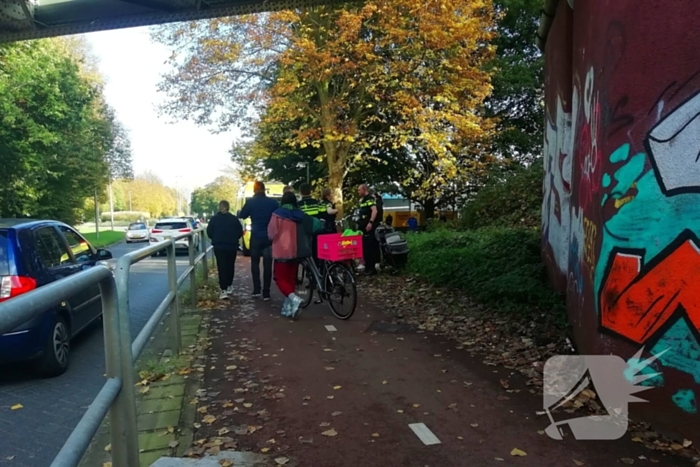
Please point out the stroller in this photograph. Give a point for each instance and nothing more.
(393, 248)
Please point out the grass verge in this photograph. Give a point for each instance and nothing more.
(106, 238)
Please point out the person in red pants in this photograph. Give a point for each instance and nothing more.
(290, 231)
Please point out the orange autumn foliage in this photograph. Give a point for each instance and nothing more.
(386, 74)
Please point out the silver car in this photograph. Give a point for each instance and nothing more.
(137, 232)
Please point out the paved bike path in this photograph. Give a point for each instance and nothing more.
(347, 395)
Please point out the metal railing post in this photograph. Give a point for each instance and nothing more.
(193, 273)
(174, 307)
(203, 242)
(124, 407)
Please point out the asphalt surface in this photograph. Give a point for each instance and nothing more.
(323, 392)
(33, 435)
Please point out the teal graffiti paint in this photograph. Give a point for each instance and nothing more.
(648, 222)
(685, 399)
(637, 367)
(684, 353)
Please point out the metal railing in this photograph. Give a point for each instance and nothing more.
(117, 396)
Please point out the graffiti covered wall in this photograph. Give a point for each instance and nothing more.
(621, 211)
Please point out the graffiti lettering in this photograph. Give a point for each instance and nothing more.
(674, 149)
(556, 221)
(589, 183)
(590, 234)
(637, 302)
(622, 201)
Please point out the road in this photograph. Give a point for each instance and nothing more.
(33, 435)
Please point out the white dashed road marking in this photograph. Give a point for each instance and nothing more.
(424, 433)
(330, 328)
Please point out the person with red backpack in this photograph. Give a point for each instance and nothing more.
(290, 231)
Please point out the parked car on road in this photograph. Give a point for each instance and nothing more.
(35, 253)
(167, 228)
(137, 232)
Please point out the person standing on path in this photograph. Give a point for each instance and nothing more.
(225, 231)
(290, 232)
(260, 208)
(328, 211)
(311, 207)
(367, 224)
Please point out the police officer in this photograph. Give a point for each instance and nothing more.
(328, 211)
(368, 223)
(307, 203)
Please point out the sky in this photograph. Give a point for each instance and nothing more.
(181, 154)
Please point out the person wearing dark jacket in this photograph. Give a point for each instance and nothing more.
(225, 231)
(260, 208)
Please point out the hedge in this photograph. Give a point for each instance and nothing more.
(125, 216)
(498, 267)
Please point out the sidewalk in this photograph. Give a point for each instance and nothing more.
(322, 392)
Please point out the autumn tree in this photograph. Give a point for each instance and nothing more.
(205, 200)
(413, 70)
(146, 193)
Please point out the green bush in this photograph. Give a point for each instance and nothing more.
(507, 200)
(498, 267)
(125, 216)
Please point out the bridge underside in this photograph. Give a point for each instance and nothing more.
(32, 19)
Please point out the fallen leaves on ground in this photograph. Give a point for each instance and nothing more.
(209, 419)
(520, 344)
(330, 433)
(518, 452)
(16, 407)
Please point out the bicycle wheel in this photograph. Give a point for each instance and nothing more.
(341, 290)
(303, 287)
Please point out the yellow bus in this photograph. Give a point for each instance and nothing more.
(272, 189)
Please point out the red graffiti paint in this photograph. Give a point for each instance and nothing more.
(637, 301)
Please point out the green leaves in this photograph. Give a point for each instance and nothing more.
(205, 200)
(55, 131)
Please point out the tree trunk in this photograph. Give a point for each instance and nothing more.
(429, 207)
(335, 183)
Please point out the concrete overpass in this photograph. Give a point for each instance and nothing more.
(32, 19)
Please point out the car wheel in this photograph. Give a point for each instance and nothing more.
(57, 350)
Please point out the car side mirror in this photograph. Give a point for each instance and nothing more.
(103, 254)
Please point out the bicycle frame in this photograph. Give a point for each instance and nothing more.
(310, 264)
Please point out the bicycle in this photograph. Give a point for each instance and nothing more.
(334, 283)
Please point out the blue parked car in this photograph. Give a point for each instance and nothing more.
(34, 253)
